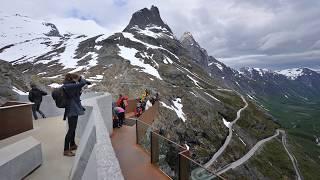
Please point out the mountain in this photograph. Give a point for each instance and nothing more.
(200, 96)
(12, 83)
(148, 20)
(291, 96)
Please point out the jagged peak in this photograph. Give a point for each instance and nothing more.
(187, 39)
(145, 18)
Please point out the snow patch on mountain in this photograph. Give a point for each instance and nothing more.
(97, 77)
(67, 57)
(129, 54)
(149, 31)
(132, 38)
(29, 49)
(16, 29)
(226, 123)
(261, 71)
(291, 73)
(251, 97)
(167, 60)
(217, 64)
(212, 97)
(177, 107)
(18, 91)
(195, 82)
(55, 85)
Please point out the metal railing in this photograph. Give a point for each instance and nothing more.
(171, 158)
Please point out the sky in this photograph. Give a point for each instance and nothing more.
(274, 34)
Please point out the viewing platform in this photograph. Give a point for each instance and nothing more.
(134, 151)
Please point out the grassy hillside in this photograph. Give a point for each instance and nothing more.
(301, 119)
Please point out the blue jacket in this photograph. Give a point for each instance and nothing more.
(73, 92)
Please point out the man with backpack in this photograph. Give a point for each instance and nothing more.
(35, 96)
(71, 90)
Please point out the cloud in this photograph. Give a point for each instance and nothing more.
(274, 33)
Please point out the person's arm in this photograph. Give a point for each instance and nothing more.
(43, 93)
(82, 82)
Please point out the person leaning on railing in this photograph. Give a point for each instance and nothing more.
(72, 87)
(118, 115)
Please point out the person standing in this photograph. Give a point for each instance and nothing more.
(122, 101)
(72, 87)
(35, 96)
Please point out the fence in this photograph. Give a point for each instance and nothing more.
(171, 158)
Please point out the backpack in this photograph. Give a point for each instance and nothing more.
(60, 97)
(30, 97)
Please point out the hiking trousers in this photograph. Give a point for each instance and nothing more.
(69, 139)
(120, 118)
(35, 109)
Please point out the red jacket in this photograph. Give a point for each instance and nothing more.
(120, 101)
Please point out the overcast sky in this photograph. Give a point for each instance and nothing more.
(272, 34)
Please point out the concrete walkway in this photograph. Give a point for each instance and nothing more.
(50, 132)
(134, 161)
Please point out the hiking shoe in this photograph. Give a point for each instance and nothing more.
(68, 153)
(73, 147)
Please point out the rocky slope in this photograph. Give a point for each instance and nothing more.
(194, 87)
(11, 82)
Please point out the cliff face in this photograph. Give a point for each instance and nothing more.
(11, 82)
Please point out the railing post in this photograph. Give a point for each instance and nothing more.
(184, 166)
(154, 148)
(137, 134)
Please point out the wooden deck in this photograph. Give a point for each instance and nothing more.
(134, 161)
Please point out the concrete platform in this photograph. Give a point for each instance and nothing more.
(19, 159)
(50, 132)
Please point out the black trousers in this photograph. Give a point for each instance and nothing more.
(120, 118)
(69, 139)
(35, 109)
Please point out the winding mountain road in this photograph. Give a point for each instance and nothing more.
(292, 158)
(200, 173)
(247, 156)
(227, 141)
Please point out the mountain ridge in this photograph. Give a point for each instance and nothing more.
(147, 55)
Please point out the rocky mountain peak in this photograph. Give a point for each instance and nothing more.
(188, 39)
(146, 18)
(198, 54)
(54, 30)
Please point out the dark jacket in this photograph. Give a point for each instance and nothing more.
(73, 93)
(35, 95)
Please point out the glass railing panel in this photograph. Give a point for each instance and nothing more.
(197, 171)
(166, 155)
(143, 131)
